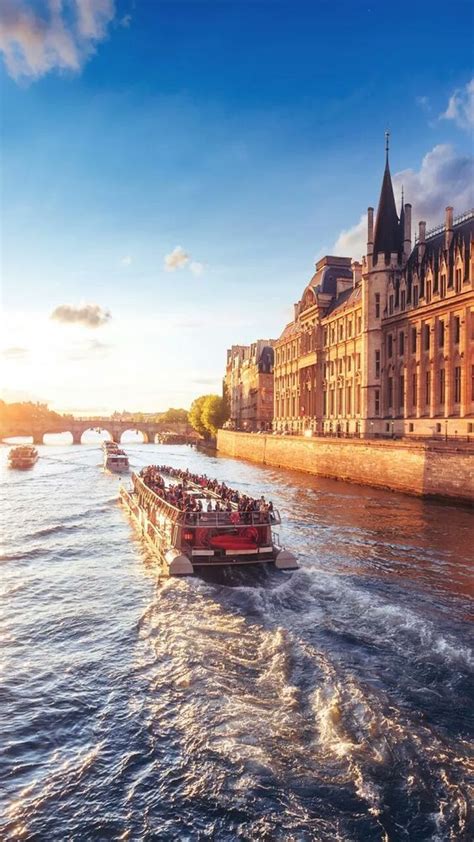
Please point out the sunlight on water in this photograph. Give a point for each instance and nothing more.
(331, 704)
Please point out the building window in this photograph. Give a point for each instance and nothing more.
(377, 402)
(377, 364)
(413, 390)
(413, 340)
(339, 366)
(390, 392)
(411, 427)
(401, 392)
(457, 329)
(402, 299)
(415, 296)
(428, 292)
(427, 337)
(441, 335)
(331, 402)
(349, 363)
(341, 331)
(333, 335)
(443, 284)
(457, 384)
(427, 387)
(359, 324)
(358, 362)
(438, 428)
(325, 335)
(401, 344)
(377, 305)
(339, 401)
(389, 345)
(442, 385)
(325, 402)
(348, 400)
(349, 328)
(390, 305)
(458, 280)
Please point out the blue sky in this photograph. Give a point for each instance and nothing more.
(242, 139)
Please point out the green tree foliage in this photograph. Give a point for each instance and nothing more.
(195, 416)
(213, 413)
(174, 416)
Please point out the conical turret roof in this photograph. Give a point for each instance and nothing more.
(387, 225)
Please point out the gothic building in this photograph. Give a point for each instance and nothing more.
(386, 347)
(248, 385)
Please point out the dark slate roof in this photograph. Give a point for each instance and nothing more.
(462, 239)
(387, 225)
(348, 298)
(326, 281)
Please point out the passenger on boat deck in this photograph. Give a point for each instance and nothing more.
(177, 496)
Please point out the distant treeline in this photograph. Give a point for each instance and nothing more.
(27, 413)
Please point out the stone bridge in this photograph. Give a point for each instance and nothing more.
(115, 427)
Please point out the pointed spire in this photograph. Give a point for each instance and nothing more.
(386, 238)
(401, 225)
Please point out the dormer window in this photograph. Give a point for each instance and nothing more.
(402, 299)
(458, 280)
(443, 285)
(390, 305)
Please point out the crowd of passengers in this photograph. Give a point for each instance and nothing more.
(238, 506)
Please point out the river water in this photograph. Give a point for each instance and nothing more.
(333, 703)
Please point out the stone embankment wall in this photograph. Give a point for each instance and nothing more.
(427, 469)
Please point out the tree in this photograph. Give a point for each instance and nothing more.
(214, 412)
(175, 416)
(195, 416)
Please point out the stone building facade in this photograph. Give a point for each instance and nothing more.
(385, 347)
(248, 385)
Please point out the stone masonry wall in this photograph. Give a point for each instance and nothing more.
(425, 469)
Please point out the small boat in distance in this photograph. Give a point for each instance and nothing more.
(115, 459)
(192, 521)
(22, 457)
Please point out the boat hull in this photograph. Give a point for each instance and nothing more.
(175, 562)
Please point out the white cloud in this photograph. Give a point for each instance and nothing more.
(180, 259)
(444, 178)
(461, 107)
(88, 315)
(196, 267)
(352, 241)
(176, 259)
(36, 37)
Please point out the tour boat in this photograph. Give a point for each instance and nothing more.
(24, 456)
(185, 540)
(115, 459)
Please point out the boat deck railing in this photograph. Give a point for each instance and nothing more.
(204, 519)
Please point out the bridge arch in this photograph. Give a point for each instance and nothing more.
(93, 435)
(132, 436)
(54, 439)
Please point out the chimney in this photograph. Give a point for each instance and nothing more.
(370, 236)
(421, 239)
(356, 272)
(448, 225)
(407, 232)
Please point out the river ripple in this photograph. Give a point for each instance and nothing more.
(334, 703)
